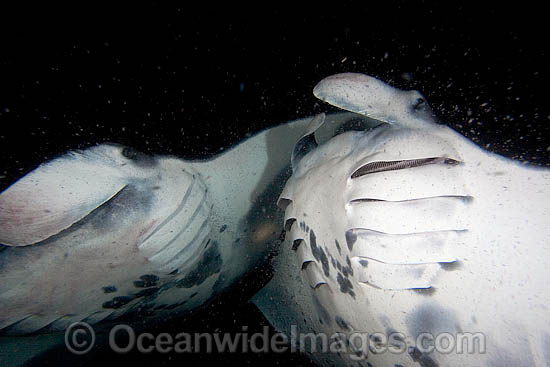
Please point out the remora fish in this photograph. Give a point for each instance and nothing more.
(411, 235)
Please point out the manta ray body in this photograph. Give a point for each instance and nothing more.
(107, 232)
(396, 227)
(408, 245)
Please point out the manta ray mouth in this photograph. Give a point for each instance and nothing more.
(382, 166)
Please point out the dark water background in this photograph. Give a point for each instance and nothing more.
(192, 80)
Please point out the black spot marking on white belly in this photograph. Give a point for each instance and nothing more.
(109, 289)
(118, 302)
(147, 280)
(422, 358)
(341, 323)
(338, 247)
(147, 292)
(396, 339)
(347, 270)
(351, 238)
(318, 253)
(209, 264)
(345, 285)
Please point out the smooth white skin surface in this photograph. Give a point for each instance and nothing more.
(488, 214)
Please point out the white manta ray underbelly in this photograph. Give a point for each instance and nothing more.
(73, 259)
(411, 230)
(108, 232)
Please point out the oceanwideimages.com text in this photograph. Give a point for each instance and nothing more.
(80, 338)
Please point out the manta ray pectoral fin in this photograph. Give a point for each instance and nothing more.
(375, 99)
(56, 195)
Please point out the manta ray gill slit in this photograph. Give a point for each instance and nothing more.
(382, 166)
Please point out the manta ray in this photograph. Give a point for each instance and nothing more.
(411, 235)
(107, 231)
(394, 225)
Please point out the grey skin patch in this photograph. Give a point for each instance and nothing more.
(209, 264)
(109, 289)
(546, 342)
(347, 270)
(140, 159)
(364, 263)
(451, 266)
(341, 323)
(324, 315)
(395, 338)
(431, 318)
(338, 247)
(518, 356)
(351, 238)
(147, 280)
(118, 302)
(318, 253)
(107, 216)
(375, 344)
(424, 291)
(422, 358)
(345, 285)
(147, 292)
(175, 305)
